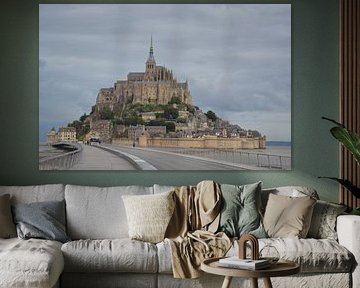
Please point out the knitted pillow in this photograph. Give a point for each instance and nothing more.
(149, 215)
(323, 222)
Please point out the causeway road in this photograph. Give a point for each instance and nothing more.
(164, 160)
(110, 157)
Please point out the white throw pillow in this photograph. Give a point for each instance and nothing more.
(149, 215)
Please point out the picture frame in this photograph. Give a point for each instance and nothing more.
(203, 87)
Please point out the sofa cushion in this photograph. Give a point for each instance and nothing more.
(116, 255)
(164, 257)
(98, 213)
(240, 210)
(44, 220)
(7, 226)
(149, 215)
(35, 193)
(287, 216)
(30, 263)
(313, 255)
(323, 222)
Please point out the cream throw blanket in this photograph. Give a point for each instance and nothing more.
(192, 227)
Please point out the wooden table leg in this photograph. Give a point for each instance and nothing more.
(267, 283)
(254, 282)
(227, 282)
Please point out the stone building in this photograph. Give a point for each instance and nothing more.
(157, 85)
(148, 116)
(67, 134)
(155, 131)
(51, 137)
(135, 132)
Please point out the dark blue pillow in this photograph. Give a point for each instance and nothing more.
(43, 220)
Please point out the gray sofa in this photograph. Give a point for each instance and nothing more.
(101, 254)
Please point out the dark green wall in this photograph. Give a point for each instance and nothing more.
(315, 87)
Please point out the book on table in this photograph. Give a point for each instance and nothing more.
(236, 262)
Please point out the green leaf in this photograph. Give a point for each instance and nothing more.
(355, 211)
(333, 121)
(347, 184)
(349, 139)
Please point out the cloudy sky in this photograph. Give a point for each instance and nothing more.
(237, 58)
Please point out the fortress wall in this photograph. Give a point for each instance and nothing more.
(122, 141)
(204, 143)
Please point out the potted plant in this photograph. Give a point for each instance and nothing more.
(351, 141)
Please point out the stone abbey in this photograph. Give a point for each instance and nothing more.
(157, 85)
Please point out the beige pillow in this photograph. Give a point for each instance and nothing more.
(149, 215)
(7, 226)
(287, 217)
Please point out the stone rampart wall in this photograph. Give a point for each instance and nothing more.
(122, 141)
(204, 143)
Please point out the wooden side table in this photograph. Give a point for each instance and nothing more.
(281, 268)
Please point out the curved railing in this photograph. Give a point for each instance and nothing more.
(63, 161)
(269, 161)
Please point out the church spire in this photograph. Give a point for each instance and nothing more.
(151, 58)
(151, 47)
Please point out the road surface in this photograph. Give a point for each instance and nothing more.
(162, 160)
(111, 157)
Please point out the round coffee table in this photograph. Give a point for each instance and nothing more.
(281, 268)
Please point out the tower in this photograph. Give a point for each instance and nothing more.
(150, 64)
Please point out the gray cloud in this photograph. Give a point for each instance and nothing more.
(236, 57)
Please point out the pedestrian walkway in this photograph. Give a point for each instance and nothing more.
(93, 158)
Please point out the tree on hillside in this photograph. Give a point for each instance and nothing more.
(191, 109)
(171, 113)
(175, 100)
(106, 114)
(170, 126)
(211, 115)
(81, 128)
(156, 123)
(83, 118)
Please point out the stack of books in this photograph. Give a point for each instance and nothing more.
(236, 262)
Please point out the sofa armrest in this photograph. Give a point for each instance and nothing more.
(348, 230)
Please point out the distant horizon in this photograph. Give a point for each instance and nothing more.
(287, 143)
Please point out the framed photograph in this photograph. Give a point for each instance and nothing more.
(165, 87)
